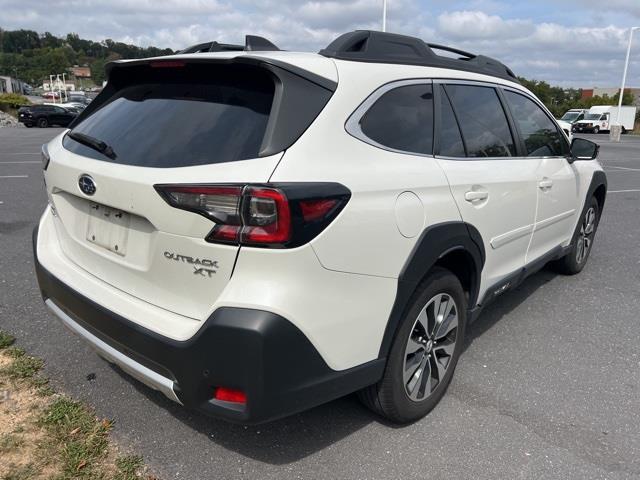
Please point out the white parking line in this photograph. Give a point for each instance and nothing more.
(624, 168)
(14, 176)
(26, 161)
(623, 191)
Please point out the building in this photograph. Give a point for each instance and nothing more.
(611, 92)
(80, 72)
(11, 85)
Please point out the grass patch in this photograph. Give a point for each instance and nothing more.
(6, 340)
(82, 438)
(23, 366)
(49, 436)
(128, 467)
(10, 441)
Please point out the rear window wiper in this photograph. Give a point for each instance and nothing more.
(94, 143)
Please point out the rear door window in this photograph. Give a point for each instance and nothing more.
(540, 134)
(482, 120)
(213, 116)
(451, 144)
(402, 119)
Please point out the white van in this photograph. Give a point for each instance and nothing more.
(574, 115)
(599, 118)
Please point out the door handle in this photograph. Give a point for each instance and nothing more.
(545, 183)
(473, 195)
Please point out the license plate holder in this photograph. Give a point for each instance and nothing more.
(108, 228)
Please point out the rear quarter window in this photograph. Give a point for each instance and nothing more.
(402, 119)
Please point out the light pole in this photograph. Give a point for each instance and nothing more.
(384, 15)
(624, 73)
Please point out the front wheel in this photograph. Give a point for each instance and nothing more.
(575, 260)
(424, 353)
(596, 130)
(43, 123)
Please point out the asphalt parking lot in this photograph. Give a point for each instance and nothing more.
(548, 387)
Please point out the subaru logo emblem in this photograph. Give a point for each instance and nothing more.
(86, 184)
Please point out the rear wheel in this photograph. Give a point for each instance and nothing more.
(43, 123)
(574, 261)
(424, 353)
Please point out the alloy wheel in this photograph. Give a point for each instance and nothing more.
(585, 237)
(430, 347)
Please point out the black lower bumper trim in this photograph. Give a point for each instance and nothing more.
(258, 352)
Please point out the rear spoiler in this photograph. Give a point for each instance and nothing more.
(299, 94)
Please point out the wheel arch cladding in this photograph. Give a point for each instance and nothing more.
(598, 188)
(457, 246)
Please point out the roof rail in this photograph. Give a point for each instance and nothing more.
(382, 47)
(252, 43)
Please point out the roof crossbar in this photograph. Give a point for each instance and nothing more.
(252, 43)
(381, 47)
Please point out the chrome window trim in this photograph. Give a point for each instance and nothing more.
(352, 125)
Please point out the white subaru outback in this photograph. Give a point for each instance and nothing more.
(254, 232)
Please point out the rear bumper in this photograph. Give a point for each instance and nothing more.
(258, 352)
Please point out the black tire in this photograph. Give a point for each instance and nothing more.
(574, 261)
(390, 397)
(28, 125)
(42, 123)
(596, 130)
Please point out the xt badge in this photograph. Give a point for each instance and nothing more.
(201, 266)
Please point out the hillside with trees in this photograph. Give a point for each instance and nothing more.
(32, 56)
(558, 100)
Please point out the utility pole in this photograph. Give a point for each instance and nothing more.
(384, 15)
(624, 73)
(615, 130)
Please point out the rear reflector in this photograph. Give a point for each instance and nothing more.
(275, 216)
(230, 395)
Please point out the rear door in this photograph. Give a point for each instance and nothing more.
(195, 126)
(557, 185)
(494, 190)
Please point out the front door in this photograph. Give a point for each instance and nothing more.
(555, 179)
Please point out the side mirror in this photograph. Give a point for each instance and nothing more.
(583, 149)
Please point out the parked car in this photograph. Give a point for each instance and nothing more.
(51, 95)
(46, 115)
(333, 229)
(573, 115)
(601, 117)
(76, 107)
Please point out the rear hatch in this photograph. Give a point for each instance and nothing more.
(175, 122)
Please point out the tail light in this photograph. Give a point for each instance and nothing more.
(272, 215)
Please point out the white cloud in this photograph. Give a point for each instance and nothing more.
(478, 25)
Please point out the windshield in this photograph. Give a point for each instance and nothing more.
(592, 116)
(213, 117)
(570, 116)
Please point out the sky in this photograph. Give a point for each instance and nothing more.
(570, 43)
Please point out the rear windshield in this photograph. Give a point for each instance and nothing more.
(179, 118)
